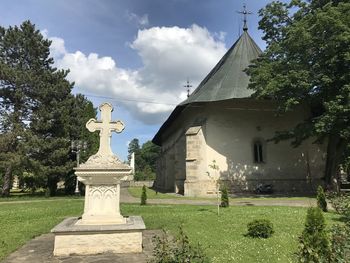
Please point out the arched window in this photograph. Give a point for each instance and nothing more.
(258, 151)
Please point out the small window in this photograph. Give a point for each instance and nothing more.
(258, 152)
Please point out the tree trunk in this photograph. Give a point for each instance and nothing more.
(52, 186)
(335, 152)
(7, 182)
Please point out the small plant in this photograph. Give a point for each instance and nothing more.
(224, 197)
(340, 244)
(314, 243)
(340, 202)
(216, 179)
(144, 195)
(321, 199)
(173, 250)
(261, 228)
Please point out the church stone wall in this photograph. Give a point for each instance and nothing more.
(171, 172)
(231, 131)
(225, 132)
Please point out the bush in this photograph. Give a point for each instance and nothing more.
(321, 199)
(314, 243)
(261, 228)
(168, 250)
(224, 197)
(340, 202)
(144, 195)
(340, 244)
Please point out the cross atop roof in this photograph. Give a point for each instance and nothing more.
(188, 86)
(245, 13)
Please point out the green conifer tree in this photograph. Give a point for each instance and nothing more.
(144, 195)
(321, 199)
(224, 197)
(314, 243)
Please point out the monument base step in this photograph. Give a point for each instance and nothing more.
(75, 239)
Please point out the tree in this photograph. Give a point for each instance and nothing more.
(314, 242)
(306, 62)
(225, 202)
(150, 153)
(39, 115)
(145, 159)
(81, 110)
(23, 63)
(321, 199)
(144, 195)
(134, 147)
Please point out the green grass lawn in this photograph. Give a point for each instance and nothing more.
(17, 195)
(222, 237)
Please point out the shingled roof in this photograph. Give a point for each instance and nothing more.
(227, 80)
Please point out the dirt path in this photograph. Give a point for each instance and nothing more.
(125, 197)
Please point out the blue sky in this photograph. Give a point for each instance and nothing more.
(136, 54)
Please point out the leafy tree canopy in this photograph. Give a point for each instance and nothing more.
(145, 159)
(307, 62)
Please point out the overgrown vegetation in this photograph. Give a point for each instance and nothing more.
(177, 250)
(340, 244)
(340, 202)
(260, 228)
(340, 233)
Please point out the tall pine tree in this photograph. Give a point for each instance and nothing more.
(39, 115)
(23, 56)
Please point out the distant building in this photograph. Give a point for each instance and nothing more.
(220, 122)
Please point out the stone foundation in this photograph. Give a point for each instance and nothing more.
(74, 239)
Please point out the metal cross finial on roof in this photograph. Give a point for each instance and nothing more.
(188, 86)
(245, 13)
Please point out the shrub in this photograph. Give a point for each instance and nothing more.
(314, 243)
(321, 199)
(261, 228)
(340, 244)
(340, 202)
(170, 250)
(224, 197)
(144, 195)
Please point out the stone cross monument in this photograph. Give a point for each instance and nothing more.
(102, 173)
(101, 228)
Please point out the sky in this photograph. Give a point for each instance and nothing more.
(136, 54)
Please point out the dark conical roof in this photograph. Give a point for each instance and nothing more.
(227, 80)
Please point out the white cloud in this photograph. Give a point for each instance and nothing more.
(170, 55)
(141, 21)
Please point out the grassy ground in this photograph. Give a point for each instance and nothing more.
(17, 195)
(222, 237)
(151, 194)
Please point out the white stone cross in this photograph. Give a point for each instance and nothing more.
(106, 127)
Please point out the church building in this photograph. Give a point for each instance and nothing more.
(220, 131)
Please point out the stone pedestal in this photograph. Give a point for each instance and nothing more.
(102, 192)
(73, 238)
